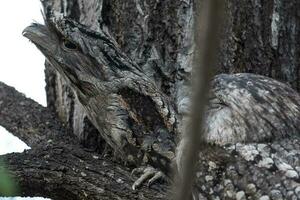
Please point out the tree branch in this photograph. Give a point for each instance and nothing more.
(25, 118)
(64, 171)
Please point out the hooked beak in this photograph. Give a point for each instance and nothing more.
(40, 35)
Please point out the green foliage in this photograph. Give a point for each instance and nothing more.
(7, 186)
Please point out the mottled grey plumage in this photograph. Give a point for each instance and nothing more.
(251, 108)
(129, 111)
(247, 115)
(264, 170)
(252, 125)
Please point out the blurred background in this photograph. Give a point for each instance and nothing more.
(21, 64)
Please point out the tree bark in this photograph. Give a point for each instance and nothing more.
(263, 37)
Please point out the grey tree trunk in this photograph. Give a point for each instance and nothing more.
(263, 37)
(259, 37)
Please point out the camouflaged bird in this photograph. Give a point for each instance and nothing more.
(252, 123)
(126, 107)
(247, 114)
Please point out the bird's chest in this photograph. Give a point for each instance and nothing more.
(131, 124)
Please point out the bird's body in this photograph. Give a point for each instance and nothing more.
(253, 127)
(251, 108)
(128, 110)
(257, 171)
(138, 120)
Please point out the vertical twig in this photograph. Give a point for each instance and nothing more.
(207, 25)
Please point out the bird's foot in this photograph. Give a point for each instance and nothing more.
(148, 174)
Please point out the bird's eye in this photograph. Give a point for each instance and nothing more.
(69, 45)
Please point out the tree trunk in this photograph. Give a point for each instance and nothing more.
(263, 37)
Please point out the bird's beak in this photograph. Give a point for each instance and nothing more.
(40, 35)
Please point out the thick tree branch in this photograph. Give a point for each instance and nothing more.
(25, 118)
(64, 171)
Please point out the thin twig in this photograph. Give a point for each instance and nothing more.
(207, 25)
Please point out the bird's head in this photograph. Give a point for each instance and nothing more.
(83, 56)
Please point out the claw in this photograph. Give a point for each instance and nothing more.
(158, 175)
(148, 173)
(138, 170)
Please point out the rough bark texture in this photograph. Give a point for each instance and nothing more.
(263, 37)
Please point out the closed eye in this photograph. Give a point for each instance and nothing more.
(67, 44)
(216, 104)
